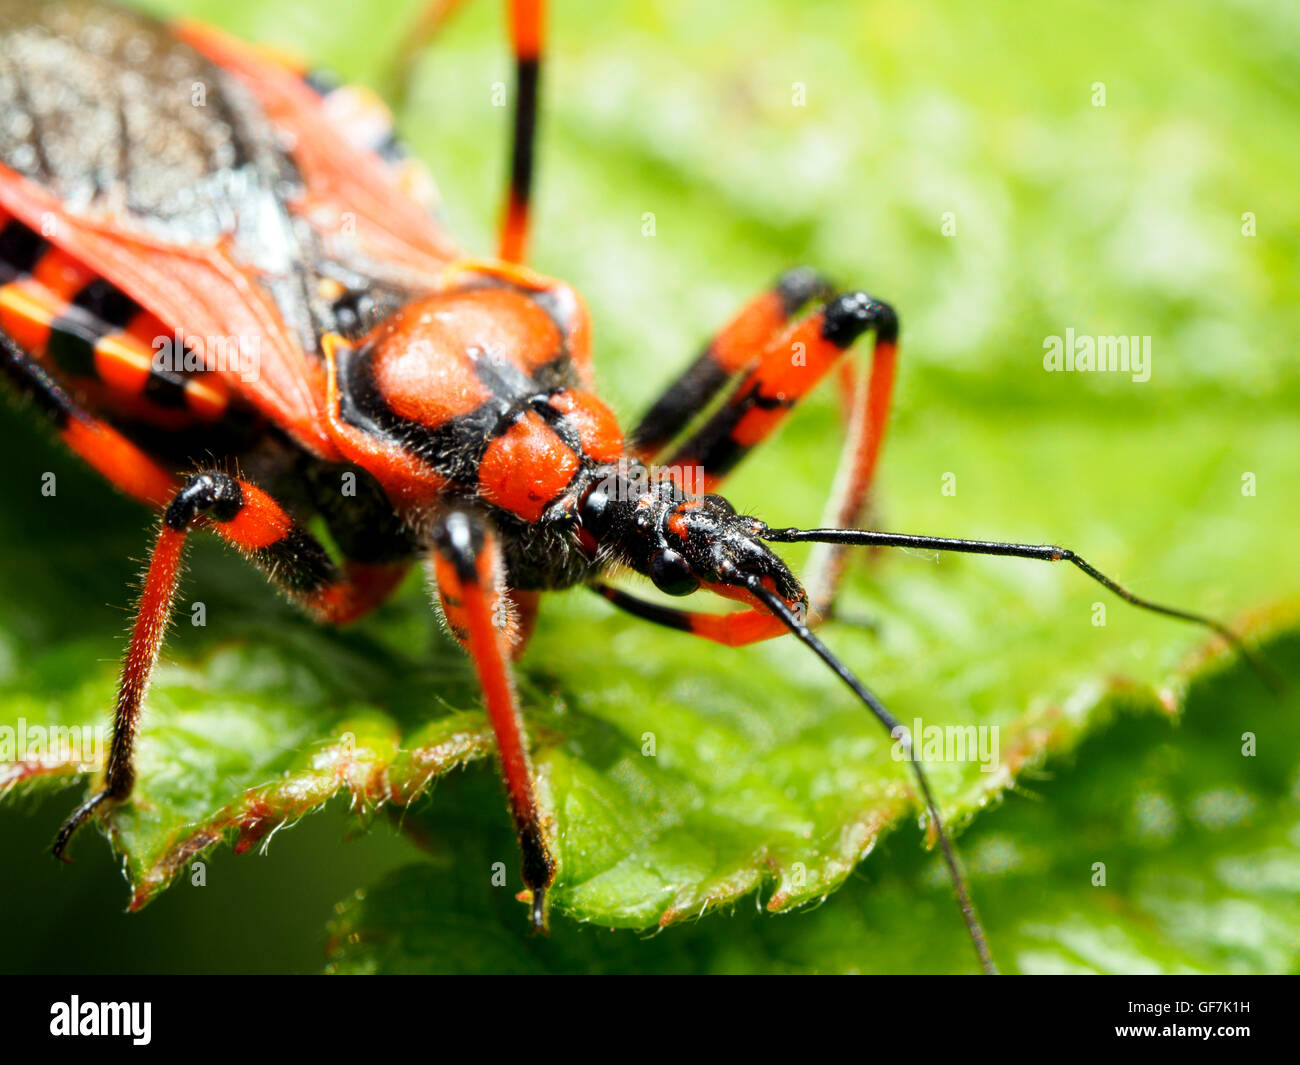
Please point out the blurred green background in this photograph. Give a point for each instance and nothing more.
(1118, 219)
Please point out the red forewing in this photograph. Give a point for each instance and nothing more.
(207, 182)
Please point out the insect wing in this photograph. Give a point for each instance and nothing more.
(208, 184)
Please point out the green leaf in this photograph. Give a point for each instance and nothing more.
(766, 777)
(1198, 843)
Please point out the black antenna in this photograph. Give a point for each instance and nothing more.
(1040, 552)
(902, 734)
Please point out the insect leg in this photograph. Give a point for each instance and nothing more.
(435, 15)
(527, 31)
(787, 369)
(245, 516)
(97, 443)
(739, 628)
(733, 349)
(527, 28)
(467, 569)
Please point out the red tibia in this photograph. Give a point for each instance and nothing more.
(486, 644)
(868, 417)
(880, 388)
(146, 638)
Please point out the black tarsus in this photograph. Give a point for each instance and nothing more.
(75, 820)
(900, 732)
(538, 872)
(1039, 552)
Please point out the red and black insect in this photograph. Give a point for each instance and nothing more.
(165, 181)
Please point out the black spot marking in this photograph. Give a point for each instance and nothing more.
(21, 248)
(107, 303)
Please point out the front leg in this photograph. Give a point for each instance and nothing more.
(468, 570)
(771, 360)
(735, 349)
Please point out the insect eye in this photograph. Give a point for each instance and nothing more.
(595, 513)
(672, 573)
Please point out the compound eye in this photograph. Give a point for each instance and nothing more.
(672, 574)
(596, 514)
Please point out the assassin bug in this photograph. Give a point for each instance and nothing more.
(457, 391)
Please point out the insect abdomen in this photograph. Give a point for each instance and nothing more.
(92, 335)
